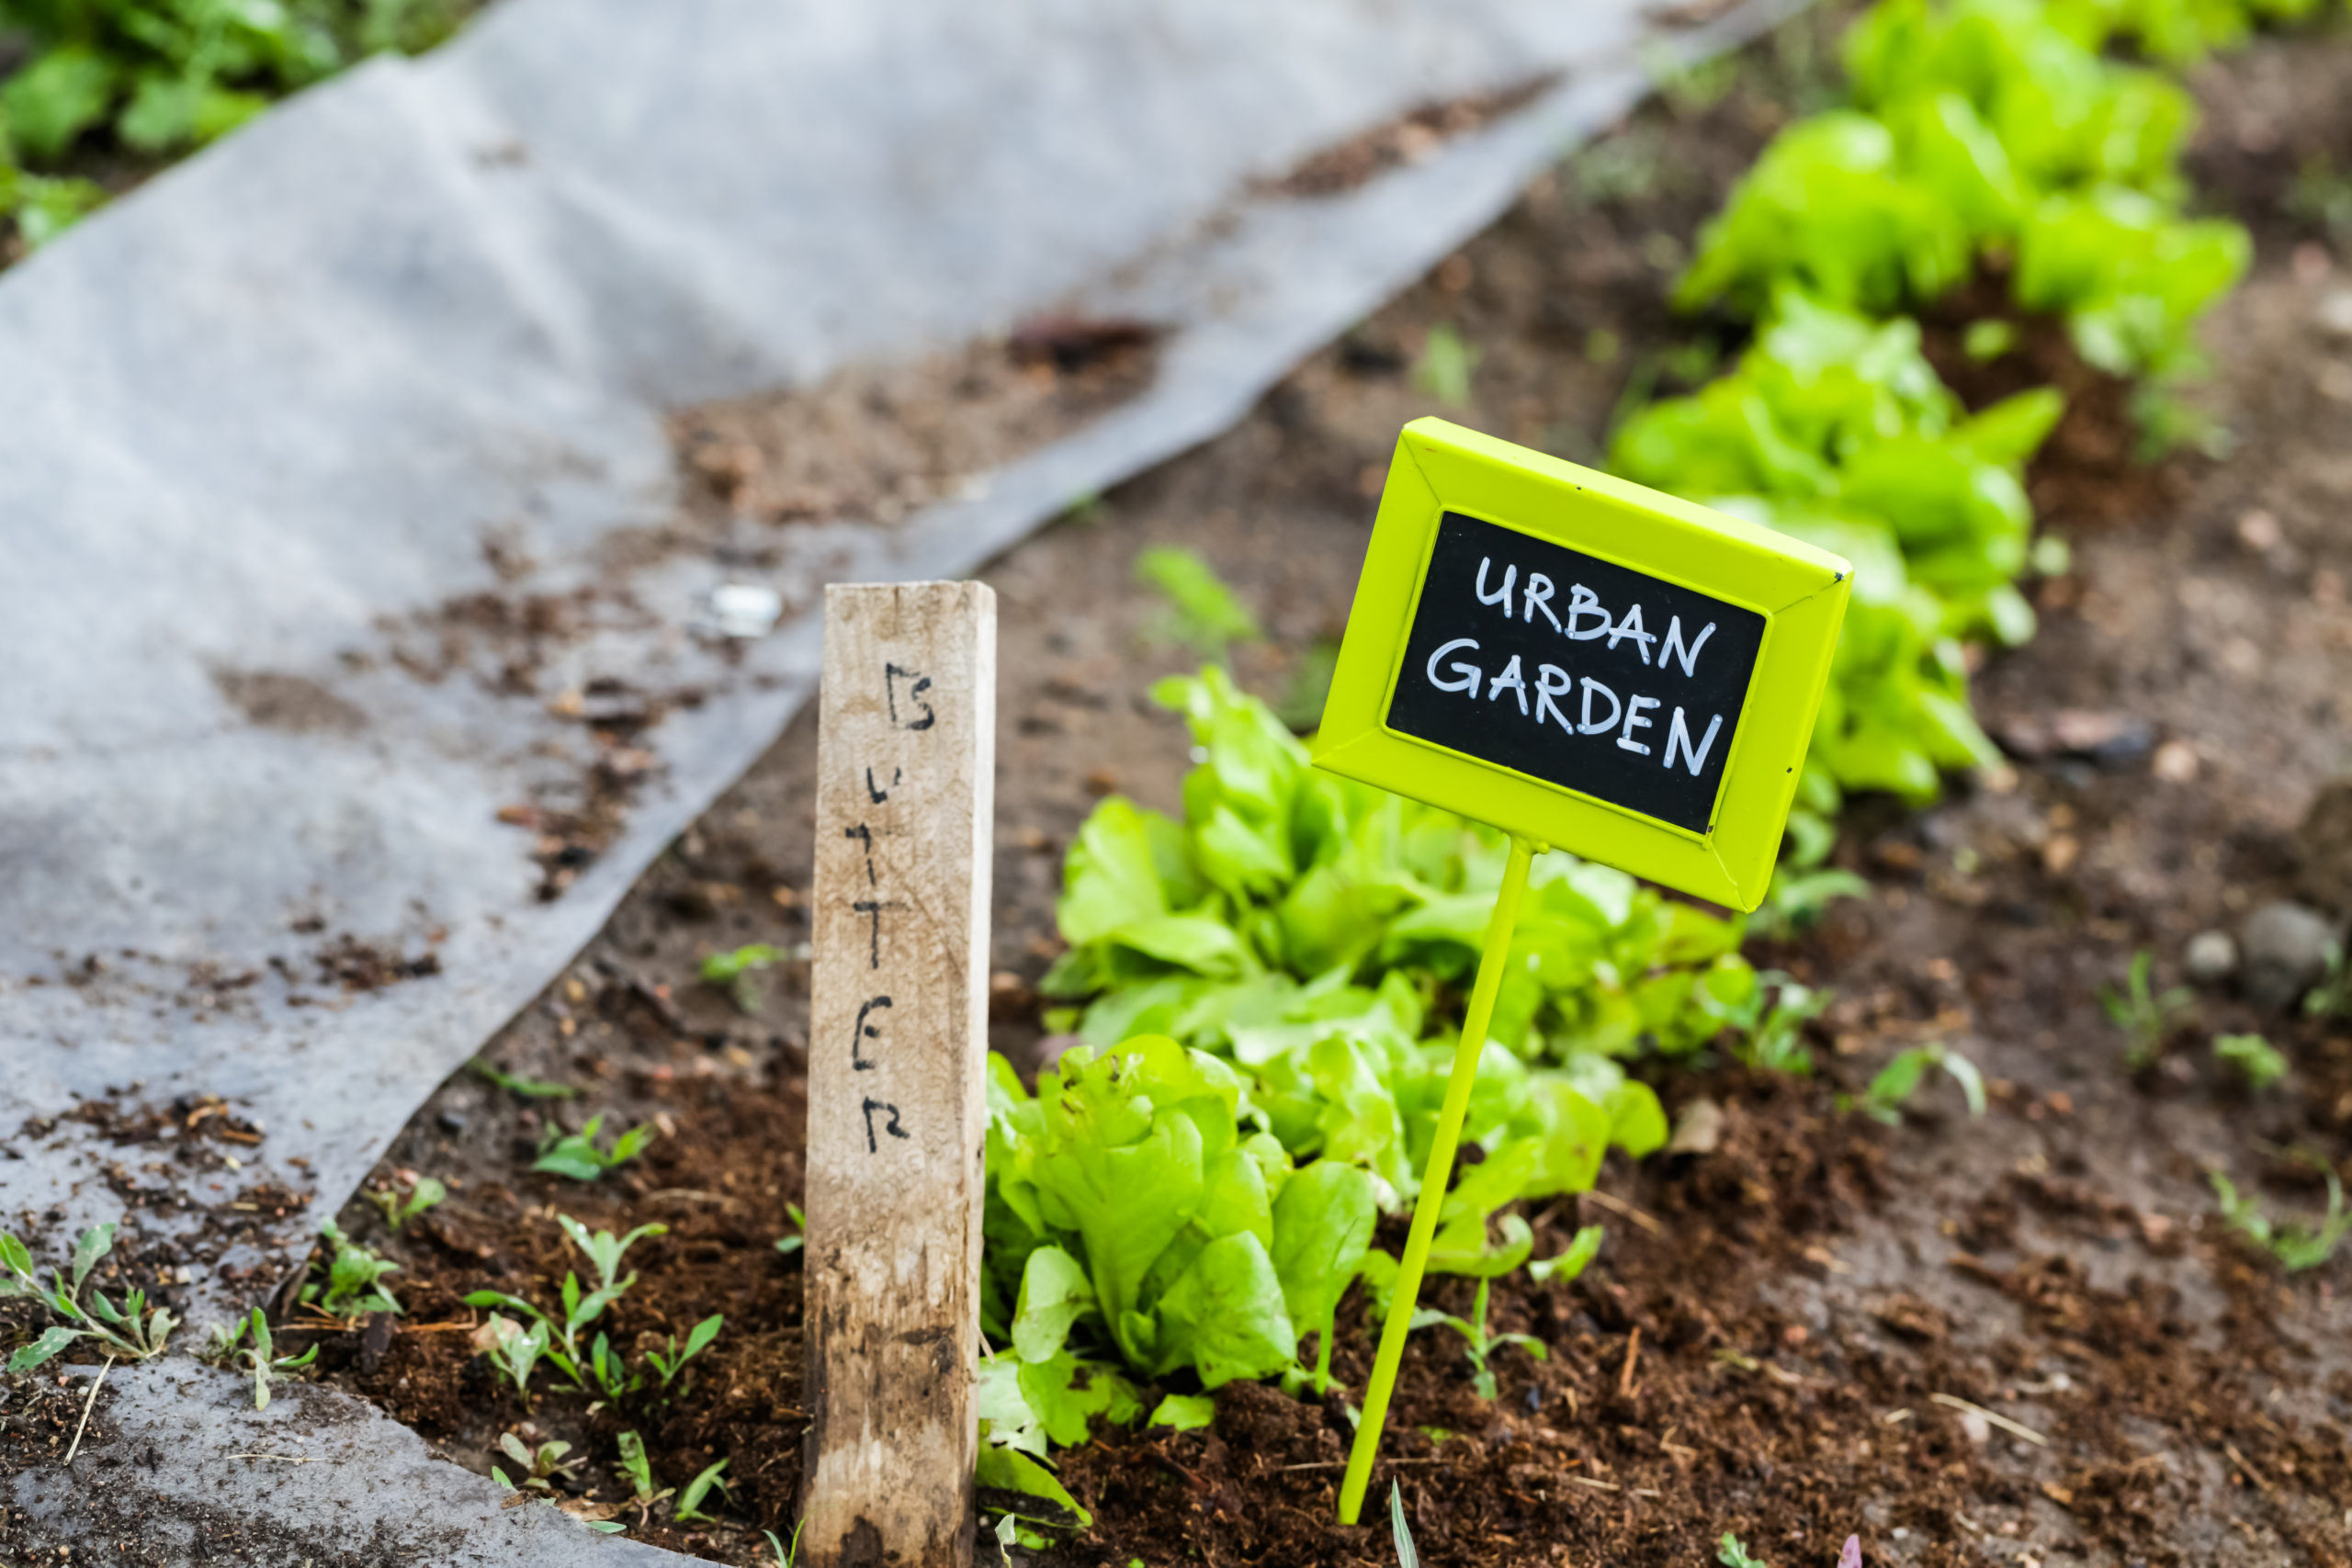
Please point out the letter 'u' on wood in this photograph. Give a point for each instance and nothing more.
(1583, 662)
(897, 1044)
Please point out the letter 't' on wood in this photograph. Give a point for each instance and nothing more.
(1583, 662)
(897, 1041)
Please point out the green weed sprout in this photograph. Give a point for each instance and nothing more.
(2332, 998)
(698, 1339)
(1478, 1345)
(1800, 898)
(1774, 1041)
(2296, 1246)
(1892, 1089)
(576, 1154)
(248, 1344)
(2322, 196)
(2144, 1014)
(635, 1470)
(610, 1371)
(725, 968)
(516, 1084)
(789, 1556)
(2256, 1062)
(1202, 613)
(424, 1195)
(689, 1510)
(542, 1466)
(1582, 1248)
(514, 1349)
(731, 972)
(1732, 1554)
(1406, 1555)
(131, 1331)
(354, 1286)
(559, 1341)
(1445, 366)
(789, 1244)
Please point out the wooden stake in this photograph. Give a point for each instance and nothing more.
(898, 1040)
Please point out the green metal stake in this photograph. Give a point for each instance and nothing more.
(1435, 1178)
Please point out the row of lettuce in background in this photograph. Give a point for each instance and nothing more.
(154, 78)
(1986, 138)
(1265, 984)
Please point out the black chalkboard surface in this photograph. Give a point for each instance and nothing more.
(1572, 670)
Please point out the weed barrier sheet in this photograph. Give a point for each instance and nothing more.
(308, 433)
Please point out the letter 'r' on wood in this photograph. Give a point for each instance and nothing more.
(897, 1047)
(1696, 645)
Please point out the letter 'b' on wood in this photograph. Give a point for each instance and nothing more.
(897, 1041)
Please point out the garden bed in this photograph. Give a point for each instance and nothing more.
(1762, 1345)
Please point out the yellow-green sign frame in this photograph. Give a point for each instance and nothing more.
(1799, 590)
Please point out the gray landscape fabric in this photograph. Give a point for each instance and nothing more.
(290, 429)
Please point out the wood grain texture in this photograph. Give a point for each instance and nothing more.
(897, 1039)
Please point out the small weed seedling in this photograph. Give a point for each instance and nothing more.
(1444, 369)
(786, 1556)
(131, 1331)
(609, 1372)
(2322, 196)
(513, 1084)
(542, 1466)
(1406, 1555)
(1309, 686)
(789, 1244)
(248, 1345)
(2296, 1246)
(1478, 1345)
(689, 1509)
(2144, 1014)
(422, 1195)
(575, 1155)
(1202, 613)
(1774, 1041)
(731, 972)
(1691, 87)
(2332, 998)
(559, 1340)
(1892, 1089)
(698, 1339)
(354, 1286)
(1732, 1554)
(635, 1470)
(2257, 1063)
(512, 1349)
(1800, 898)
(1583, 1247)
(1617, 169)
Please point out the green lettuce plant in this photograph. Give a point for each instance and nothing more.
(1132, 1203)
(1835, 428)
(1992, 133)
(1291, 906)
(165, 74)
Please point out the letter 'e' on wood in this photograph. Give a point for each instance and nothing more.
(1751, 621)
(898, 1043)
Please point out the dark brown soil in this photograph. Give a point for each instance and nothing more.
(873, 445)
(1777, 1330)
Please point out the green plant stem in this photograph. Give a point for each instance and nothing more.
(1435, 1178)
